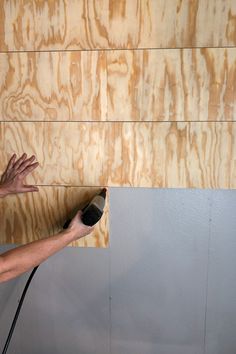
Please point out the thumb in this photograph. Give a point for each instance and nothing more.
(79, 213)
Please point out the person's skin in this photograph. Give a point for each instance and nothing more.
(24, 258)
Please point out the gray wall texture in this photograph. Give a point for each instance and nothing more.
(166, 285)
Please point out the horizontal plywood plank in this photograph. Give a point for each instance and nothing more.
(82, 24)
(69, 153)
(172, 85)
(53, 86)
(33, 216)
(142, 85)
(165, 155)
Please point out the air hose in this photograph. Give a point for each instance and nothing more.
(18, 310)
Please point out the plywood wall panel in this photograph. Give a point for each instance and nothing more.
(139, 85)
(2, 139)
(184, 155)
(175, 155)
(33, 216)
(82, 24)
(213, 155)
(53, 86)
(172, 85)
(69, 153)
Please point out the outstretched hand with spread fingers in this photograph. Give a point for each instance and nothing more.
(12, 180)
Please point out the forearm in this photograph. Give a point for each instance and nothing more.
(23, 258)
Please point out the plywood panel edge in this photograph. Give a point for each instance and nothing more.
(32, 216)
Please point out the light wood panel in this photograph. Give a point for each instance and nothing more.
(172, 85)
(82, 24)
(53, 86)
(2, 158)
(173, 155)
(33, 216)
(184, 155)
(69, 153)
(143, 85)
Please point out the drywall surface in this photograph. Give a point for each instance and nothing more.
(166, 285)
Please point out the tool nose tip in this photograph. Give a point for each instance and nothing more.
(103, 192)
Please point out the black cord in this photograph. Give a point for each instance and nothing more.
(18, 311)
(21, 303)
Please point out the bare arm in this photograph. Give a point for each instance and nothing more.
(23, 258)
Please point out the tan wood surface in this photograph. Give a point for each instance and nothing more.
(181, 155)
(83, 24)
(33, 216)
(53, 86)
(172, 85)
(142, 85)
(69, 153)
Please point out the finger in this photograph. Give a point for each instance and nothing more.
(27, 170)
(3, 178)
(25, 164)
(11, 162)
(19, 161)
(30, 188)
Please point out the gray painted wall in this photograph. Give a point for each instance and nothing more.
(166, 285)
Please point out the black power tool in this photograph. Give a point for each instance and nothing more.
(93, 211)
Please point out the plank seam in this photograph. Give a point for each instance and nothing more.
(118, 121)
(109, 49)
(70, 185)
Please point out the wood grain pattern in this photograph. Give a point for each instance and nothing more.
(69, 153)
(174, 155)
(82, 24)
(172, 85)
(3, 157)
(53, 86)
(33, 216)
(166, 155)
(143, 85)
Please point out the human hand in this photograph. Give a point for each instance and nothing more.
(12, 180)
(77, 227)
